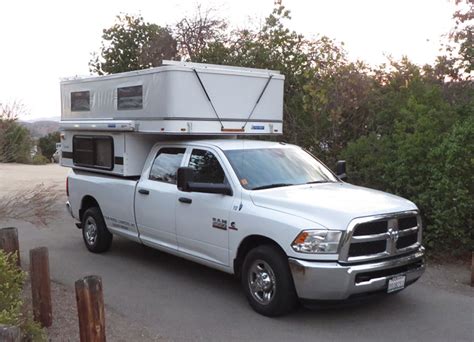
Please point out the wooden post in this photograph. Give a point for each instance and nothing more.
(9, 242)
(9, 333)
(41, 286)
(90, 308)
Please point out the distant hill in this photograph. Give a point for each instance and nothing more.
(40, 128)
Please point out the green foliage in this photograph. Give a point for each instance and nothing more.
(47, 144)
(11, 304)
(421, 148)
(132, 44)
(39, 159)
(15, 141)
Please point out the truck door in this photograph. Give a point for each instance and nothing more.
(156, 198)
(202, 218)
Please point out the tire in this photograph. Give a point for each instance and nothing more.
(267, 281)
(97, 237)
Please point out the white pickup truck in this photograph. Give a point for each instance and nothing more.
(268, 212)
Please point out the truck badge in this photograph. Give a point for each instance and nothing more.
(219, 223)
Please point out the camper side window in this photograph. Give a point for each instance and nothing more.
(130, 97)
(80, 101)
(166, 164)
(93, 151)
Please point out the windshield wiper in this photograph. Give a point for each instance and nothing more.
(318, 182)
(269, 186)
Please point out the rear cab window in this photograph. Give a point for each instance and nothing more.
(166, 164)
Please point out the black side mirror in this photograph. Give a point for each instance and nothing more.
(341, 170)
(184, 175)
(185, 182)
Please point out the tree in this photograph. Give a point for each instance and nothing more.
(195, 33)
(132, 44)
(15, 140)
(47, 144)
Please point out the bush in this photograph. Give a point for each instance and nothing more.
(47, 144)
(39, 159)
(11, 305)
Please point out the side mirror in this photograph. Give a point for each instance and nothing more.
(185, 182)
(341, 170)
(184, 175)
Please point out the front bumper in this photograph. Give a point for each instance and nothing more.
(336, 281)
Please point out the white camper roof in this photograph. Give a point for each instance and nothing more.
(177, 98)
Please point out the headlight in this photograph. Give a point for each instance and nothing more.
(317, 241)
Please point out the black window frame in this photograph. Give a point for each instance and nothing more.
(73, 109)
(94, 151)
(129, 87)
(156, 156)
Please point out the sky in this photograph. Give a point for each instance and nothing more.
(43, 41)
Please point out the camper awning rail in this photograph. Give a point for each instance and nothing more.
(108, 125)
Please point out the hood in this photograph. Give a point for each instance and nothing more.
(332, 205)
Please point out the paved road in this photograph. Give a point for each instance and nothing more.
(185, 301)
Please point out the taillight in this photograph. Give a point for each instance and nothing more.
(67, 186)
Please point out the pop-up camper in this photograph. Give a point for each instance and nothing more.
(110, 122)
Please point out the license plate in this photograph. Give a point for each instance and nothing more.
(396, 283)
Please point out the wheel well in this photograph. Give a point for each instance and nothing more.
(87, 202)
(249, 243)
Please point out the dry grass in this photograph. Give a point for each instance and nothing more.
(34, 204)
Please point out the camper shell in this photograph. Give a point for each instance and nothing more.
(109, 123)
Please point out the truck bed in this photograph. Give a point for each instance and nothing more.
(115, 196)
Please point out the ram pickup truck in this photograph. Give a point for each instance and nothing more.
(272, 214)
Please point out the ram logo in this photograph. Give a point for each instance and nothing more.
(219, 223)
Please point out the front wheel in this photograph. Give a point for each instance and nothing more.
(267, 281)
(94, 231)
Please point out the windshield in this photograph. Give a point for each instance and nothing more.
(275, 167)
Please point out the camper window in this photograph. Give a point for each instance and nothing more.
(93, 151)
(80, 101)
(130, 97)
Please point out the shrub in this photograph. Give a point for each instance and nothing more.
(39, 159)
(11, 305)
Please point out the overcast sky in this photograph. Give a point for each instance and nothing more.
(42, 41)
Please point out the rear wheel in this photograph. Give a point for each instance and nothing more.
(267, 281)
(94, 231)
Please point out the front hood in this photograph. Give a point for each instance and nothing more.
(332, 205)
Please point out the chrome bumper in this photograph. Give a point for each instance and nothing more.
(334, 281)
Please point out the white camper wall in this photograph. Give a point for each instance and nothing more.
(174, 93)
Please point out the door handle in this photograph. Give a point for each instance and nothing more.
(144, 191)
(185, 200)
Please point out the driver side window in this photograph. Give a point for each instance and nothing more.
(207, 167)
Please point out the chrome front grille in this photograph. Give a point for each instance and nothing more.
(381, 236)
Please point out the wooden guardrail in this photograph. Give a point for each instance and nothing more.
(90, 308)
(9, 242)
(41, 286)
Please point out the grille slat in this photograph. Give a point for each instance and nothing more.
(407, 222)
(371, 228)
(367, 248)
(406, 241)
